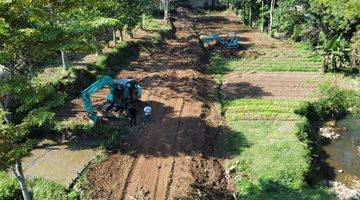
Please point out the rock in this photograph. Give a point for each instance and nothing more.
(341, 191)
(329, 132)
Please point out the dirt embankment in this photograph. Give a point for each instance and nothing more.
(176, 156)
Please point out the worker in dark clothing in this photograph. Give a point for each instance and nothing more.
(132, 113)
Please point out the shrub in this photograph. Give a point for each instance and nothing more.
(334, 103)
(46, 190)
(9, 188)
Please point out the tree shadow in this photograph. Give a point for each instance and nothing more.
(243, 90)
(212, 20)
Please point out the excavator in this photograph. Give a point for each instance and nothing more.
(232, 42)
(122, 94)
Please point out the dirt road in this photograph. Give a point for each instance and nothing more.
(175, 157)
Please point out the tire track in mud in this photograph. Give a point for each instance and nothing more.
(173, 153)
(134, 164)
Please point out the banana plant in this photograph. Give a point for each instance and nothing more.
(336, 52)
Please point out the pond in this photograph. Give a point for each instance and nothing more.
(344, 153)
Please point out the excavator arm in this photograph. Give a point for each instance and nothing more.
(233, 42)
(98, 85)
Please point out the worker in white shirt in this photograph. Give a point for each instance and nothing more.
(147, 114)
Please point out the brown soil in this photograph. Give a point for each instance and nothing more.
(274, 85)
(176, 156)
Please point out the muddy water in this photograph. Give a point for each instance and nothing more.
(344, 153)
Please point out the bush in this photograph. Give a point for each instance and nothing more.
(9, 188)
(40, 189)
(334, 103)
(47, 190)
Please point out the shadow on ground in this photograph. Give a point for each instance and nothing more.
(243, 90)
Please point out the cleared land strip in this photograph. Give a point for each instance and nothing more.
(159, 161)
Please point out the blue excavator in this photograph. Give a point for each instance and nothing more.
(123, 93)
(232, 42)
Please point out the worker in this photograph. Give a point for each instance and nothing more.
(232, 38)
(132, 113)
(147, 114)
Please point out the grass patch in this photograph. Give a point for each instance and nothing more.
(9, 187)
(270, 60)
(43, 189)
(220, 65)
(153, 24)
(261, 109)
(157, 27)
(271, 162)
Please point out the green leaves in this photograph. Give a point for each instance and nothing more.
(104, 22)
(30, 107)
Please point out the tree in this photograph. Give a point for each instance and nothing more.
(272, 6)
(166, 5)
(336, 52)
(25, 114)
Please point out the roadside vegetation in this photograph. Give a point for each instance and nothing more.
(330, 27)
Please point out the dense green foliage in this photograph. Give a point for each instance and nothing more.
(41, 189)
(334, 102)
(33, 32)
(47, 190)
(315, 22)
(26, 113)
(9, 188)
